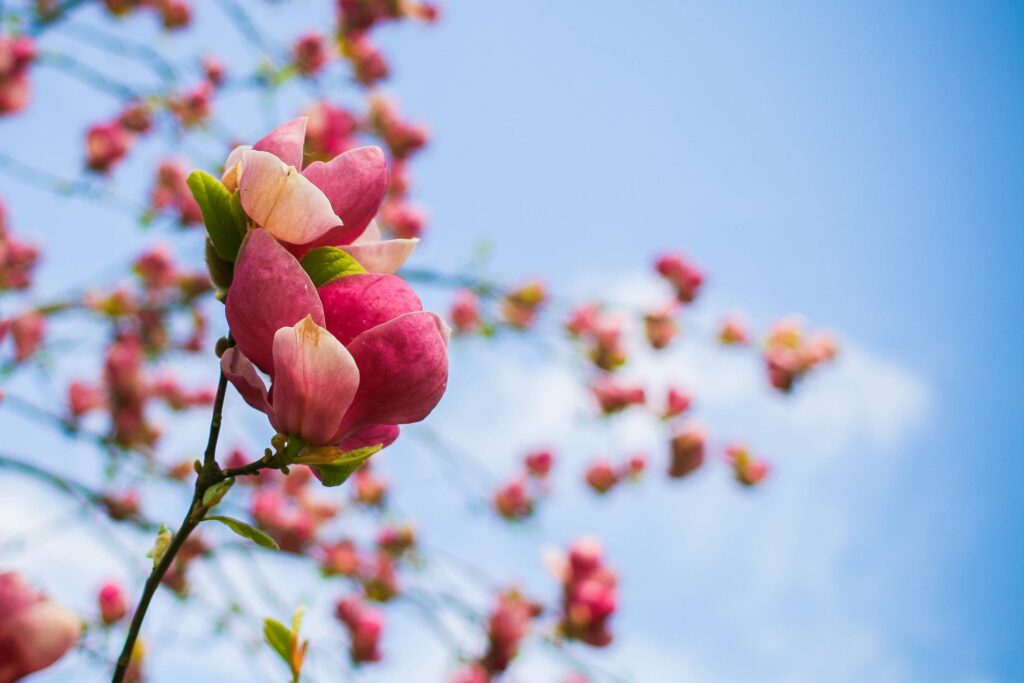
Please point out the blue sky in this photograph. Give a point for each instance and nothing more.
(860, 164)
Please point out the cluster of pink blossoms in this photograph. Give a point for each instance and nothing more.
(353, 355)
(16, 55)
(357, 18)
(108, 142)
(790, 353)
(516, 499)
(365, 624)
(589, 594)
(17, 258)
(171, 195)
(510, 621)
(602, 476)
(34, 631)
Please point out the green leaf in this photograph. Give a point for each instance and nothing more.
(300, 612)
(338, 471)
(279, 638)
(215, 493)
(325, 264)
(245, 530)
(222, 213)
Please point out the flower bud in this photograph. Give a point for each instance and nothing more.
(113, 606)
(34, 631)
(687, 452)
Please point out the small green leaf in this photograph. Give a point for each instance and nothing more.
(300, 612)
(215, 493)
(245, 530)
(325, 264)
(279, 638)
(163, 540)
(338, 471)
(222, 213)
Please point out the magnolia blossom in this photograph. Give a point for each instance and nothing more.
(465, 311)
(16, 54)
(601, 476)
(348, 361)
(310, 54)
(34, 631)
(687, 451)
(365, 625)
(112, 602)
(677, 402)
(747, 469)
(539, 463)
(684, 276)
(322, 204)
(589, 597)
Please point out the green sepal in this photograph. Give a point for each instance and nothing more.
(338, 471)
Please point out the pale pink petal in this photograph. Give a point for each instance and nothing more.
(356, 303)
(286, 142)
(282, 200)
(242, 374)
(403, 369)
(270, 290)
(371, 234)
(382, 257)
(355, 182)
(233, 167)
(315, 380)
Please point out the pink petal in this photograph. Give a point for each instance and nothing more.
(382, 257)
(403, 369)
(370, 436)
(371, 234)
(242, 373)
(286, 142)
(315, 380)
(355, 182)
(282, 200)
(233, 167)
(356, 303)
(270, 290)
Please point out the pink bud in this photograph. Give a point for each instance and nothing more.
(404, 219)
(112, 603)
(676, 403)
(683, 275)
(539, 463)
(215, 70)
(106, 144)
(310, 53)
(660, 326)
(734, 331)
(84, 397)
(687, 452)
(465, 312)
(601, 476)
(513, 501)
(27, 331)
(365, 625)
(34, 631)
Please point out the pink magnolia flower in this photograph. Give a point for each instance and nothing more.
(583, 320)
(660, 326)
(685, 277)
(368, 488)
(601, 476)
(348, 362)
(324, 204)
(613, 396)
(513, 500)
(310, 53)
(589, 596)
(330, 130)
(340, 559)
(539, 463)
(137, 117)
(84, 397)
(403, 219)
(171, 193)
(465, 312)
(734, 331)
(111, 599)
(214, 69)
(194, 105)
(677, 402)
(16, 54)
(747, 469)
(508, 624)
(34, 631)
(106, 144)
(687, 451)
(27, 330)
(365, 625)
